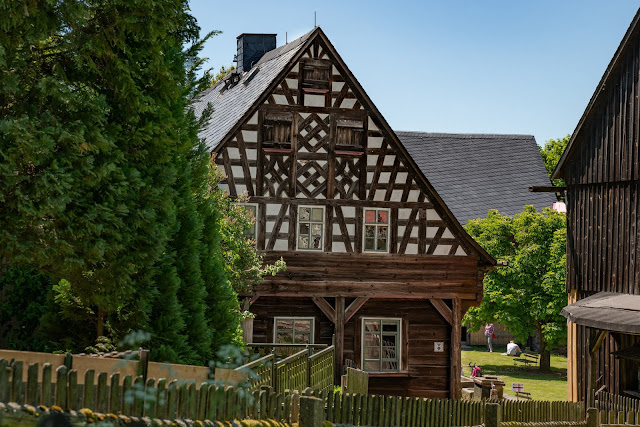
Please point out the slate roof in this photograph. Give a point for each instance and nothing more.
(474, 172)
(230, 105)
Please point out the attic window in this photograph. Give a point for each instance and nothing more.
(276, 132)
(315, 75)
(349, 136)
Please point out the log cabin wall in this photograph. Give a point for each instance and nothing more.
(601, 171)
(423, 372)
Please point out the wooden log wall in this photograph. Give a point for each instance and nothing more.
(602, 176)
(616, 374)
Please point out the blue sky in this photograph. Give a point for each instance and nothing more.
(460, 66)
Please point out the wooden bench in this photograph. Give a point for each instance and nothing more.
(523, 395)
(527, 359)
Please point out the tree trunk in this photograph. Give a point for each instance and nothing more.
(545, 355)
(100, 324)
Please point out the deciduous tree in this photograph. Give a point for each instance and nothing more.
(527, 294)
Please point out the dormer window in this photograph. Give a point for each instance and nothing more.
(350, 136)
(315, 75)
(276, 132)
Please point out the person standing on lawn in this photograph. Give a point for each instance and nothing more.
(488, 333)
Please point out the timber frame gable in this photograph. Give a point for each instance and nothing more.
(314, 137)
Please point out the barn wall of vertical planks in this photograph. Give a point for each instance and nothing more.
(602, 174)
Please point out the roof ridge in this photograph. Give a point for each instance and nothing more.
(467, 135)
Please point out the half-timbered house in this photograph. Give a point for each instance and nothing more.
(602, 174)
(376, 262)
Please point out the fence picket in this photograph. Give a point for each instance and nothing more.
(16, 382)
(61, 387)
(161, 399)
(46, 384)
(72, 397)
(89, 393)
(32, 385)
(150, 399)
(101, 393)
(115, 399)
(4, 381)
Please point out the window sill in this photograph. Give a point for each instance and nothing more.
(396, 374)
(277, 150)
(315, 91)
(349, 153)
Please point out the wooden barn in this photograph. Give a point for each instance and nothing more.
(376, 262)
(602, 174)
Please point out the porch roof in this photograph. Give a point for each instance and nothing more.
(609, 311)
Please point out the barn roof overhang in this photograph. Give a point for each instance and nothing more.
(609, 311)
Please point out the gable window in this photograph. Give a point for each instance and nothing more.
(250, 232)
(293, 330)
(381, 344)
(276, 131)
(315, 75)
(310, 227)
(376, 230)
(349, 136)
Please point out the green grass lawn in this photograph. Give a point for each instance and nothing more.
(549, 386)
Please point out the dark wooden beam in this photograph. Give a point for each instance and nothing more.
(595, 341)
(354, 307)
(455, 356)
(443, 309)
(325, 307)
(546, 189)
(339, 338)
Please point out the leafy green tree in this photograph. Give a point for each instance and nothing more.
(551, 153)
(527, 294)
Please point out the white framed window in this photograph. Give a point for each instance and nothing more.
(376, 230)
(293, 330)
(381, 344)
(251, 232)
(310, 227)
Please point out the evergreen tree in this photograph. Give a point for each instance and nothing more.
(91, 105)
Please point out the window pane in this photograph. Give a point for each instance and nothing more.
(389, 353)
(389, 327)
(316, 242)
(303, 325)
(372, 353)
(317, 214)
(284, 324)
(302, 338)
(369, 231)
(303, 242)
(371, 340)
(316, 229)
(285, 338)
(382, 232)
(389, 366)
(382, 245)
(369, 244)
(371, 366)
(383, 217)
(371, 326)
(305, 214)
(304, 229)
(369, 216)
(388, 340)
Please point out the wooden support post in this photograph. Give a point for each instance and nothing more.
(455, 356)
(492, 415)
(339, 338)
(592, 417)
(595, 341)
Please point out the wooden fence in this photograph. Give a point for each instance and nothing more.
(136, 397)
(355, 381)
(296, 372)
(283, 350)
(387, 411)
(604, 401)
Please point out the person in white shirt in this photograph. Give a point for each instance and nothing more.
(513, 349)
